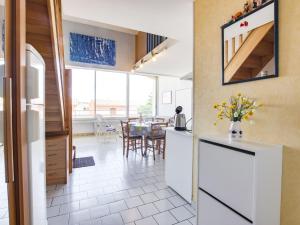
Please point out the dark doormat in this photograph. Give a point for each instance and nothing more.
(83, 162)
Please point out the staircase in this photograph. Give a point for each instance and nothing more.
(44, 33)
(252, 56)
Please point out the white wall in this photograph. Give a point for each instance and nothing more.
(87, 126)
(125, 45)
(174, 85)
(168, 18)
(83, 126)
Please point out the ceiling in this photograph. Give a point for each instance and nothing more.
(170, 18)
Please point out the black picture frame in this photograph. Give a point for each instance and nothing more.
(276, 43)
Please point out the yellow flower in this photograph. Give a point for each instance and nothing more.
(216, 106)
(246, 117)
(250, 113)
(215, 124)
(239, 94)
(224, 103)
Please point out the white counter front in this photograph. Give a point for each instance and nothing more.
(239, 182)
(179, 162)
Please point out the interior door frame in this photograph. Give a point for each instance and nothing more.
(68, 116)
(15, 67)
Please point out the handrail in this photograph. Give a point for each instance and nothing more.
(54, 9)
(241, 43)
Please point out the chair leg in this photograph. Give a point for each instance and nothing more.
(127, 152)
(124, 146)
(74, 149)
(164, 149)
(159, 146)
(142, 147)
(153, 148)
(146, 147)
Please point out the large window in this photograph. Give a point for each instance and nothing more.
(142, 96)
(83, 93)
(112, 94)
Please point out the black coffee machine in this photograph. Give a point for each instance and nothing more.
(180, 120)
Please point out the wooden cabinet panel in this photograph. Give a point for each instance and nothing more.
(57, 176)
(57, 160)
(54, 144)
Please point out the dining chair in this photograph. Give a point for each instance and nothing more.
(148, 119)
(156, 140)
(158, 120)
(130, 142)
(105, 129)
(133, 119)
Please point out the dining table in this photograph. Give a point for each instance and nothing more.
(140, 128)
(143, 129)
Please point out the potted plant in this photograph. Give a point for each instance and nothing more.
(238, 109)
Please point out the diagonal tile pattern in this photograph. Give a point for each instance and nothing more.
(116, 191)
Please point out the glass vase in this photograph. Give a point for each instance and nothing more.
(235, 131)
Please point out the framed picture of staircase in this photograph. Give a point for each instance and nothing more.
(250, 45)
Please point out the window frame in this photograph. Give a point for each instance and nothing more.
(128, 74)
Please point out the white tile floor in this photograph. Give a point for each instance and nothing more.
(116, 191)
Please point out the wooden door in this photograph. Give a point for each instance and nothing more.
(13, 114)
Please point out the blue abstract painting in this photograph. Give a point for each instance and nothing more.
(93, 50)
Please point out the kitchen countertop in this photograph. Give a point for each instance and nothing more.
(184, 133)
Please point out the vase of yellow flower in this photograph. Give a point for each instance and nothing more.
(238, 109)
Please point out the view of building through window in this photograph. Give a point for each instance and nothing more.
(111, 94)
(106, 93)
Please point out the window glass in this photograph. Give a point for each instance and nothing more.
(142, 90)
(111, 98)
(105, 93)
(83, 93)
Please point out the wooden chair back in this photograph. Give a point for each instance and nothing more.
(133, 119)
(158, 120)
(125, 129)
(157, 130)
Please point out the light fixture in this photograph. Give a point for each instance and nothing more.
(142, 63)
(154, 57)
(151, 56)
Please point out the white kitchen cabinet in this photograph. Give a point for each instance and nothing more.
(179, 162)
